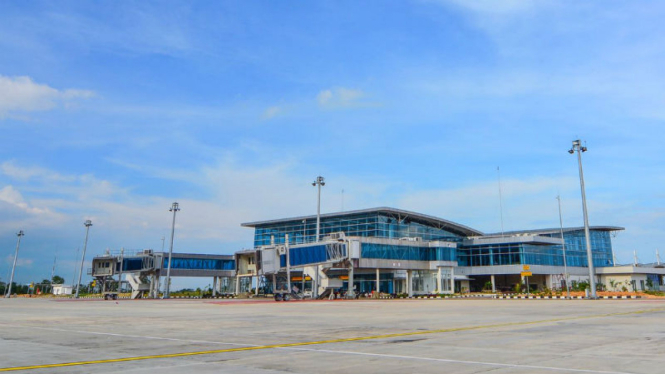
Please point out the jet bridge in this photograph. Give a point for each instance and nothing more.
(324, 262)
(143, 270)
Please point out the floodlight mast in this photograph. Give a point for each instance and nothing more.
(167, 290)
(87, 225)
(577, 147)
(320, 181)
(11, 279)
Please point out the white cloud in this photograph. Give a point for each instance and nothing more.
(22, 94)
(20, 261)
(271, 112)
(11, 196)
(23, 173)
(341, 97)
(501, 7)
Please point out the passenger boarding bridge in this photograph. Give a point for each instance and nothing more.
(144, 269)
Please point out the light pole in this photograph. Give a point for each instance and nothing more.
(577, 147)
(11, 278)
(167, 289)
(320, 181)
(563, 246)
(87, 225)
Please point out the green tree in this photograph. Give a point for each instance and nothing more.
(58, 279)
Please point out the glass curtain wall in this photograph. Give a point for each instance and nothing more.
(199, 264)
(404, 252)
(550, 255)
(375, 225)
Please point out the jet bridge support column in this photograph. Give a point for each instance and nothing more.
(439, 281)
(350, 292)
(288, 264)
(214, 286)
(378, 281)
(154, 286)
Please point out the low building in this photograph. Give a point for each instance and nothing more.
(62, 289)
(639, 277)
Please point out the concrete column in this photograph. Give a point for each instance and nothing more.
(409, 283)
(237, 285)
(315, 283)
(288, 264)
(154, 286)
(452, 280)
(157, 283)
(214, 286)
(258, 282)
(302, 289)
(350, 293)
(274, 283)
(493, 283)
(439, 281)
(378, 281)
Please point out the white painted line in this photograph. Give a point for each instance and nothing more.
(402, 357)
(495, 364)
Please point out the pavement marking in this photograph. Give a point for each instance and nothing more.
(341, 340)
(495, 364)
(146, 337)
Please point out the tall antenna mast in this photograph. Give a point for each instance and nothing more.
(498, 173)
(55, 258)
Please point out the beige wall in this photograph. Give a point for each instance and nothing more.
(621, 279)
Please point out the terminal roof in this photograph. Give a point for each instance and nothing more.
(556, 230)
(397, 213)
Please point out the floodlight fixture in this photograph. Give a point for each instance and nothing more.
(320, 181)
(11, 279)
(87, 225)
(577, 147)
(175, 207)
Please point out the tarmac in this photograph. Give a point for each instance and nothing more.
(358, 336)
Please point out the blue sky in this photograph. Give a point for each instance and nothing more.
(110, 111)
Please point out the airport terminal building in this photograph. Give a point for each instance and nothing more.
(386, 250)
(396, 251)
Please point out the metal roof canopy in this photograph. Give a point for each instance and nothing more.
(557, 230)
(396, 213)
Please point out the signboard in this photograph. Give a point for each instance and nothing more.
(526, 267)
(526, 274)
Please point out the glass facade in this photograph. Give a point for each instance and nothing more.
(551, 255)
(405, 252)
(372, 224)
(394, 225)
(316, 254)
(199, 264)
(132, 263)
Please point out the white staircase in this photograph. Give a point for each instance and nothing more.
(321, 278)
(138, 287)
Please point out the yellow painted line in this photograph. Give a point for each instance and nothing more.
(342, 340)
